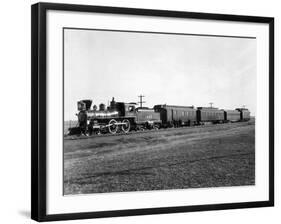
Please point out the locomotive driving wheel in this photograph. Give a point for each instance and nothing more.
(126, 125)
(112, 126)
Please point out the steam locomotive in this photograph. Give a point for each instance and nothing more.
(120, 116)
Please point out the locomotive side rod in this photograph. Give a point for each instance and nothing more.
(117, 123)
(108, 125)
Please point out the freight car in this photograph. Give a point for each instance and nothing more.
(209, 115)
(176, 116)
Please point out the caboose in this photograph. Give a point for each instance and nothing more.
(118, 116)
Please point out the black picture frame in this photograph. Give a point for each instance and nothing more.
(38, 108)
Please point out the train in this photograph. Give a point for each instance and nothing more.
(125, 117)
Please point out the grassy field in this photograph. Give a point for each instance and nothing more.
(205, 156)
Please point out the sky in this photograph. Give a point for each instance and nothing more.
(167, 68)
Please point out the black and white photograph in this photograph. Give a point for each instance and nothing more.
(139, 111)
(152, 111)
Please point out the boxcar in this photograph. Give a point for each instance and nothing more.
(209, 114)
(244, 114)
(176, 115)
(232, 115)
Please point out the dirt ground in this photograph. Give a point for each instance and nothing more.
(193, 157)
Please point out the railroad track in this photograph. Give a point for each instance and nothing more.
(75, 137)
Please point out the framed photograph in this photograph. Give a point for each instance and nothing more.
(140, 111)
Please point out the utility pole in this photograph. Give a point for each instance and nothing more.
(211, 104)
(141, 100)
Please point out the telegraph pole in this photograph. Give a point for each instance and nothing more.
(141, 100)
(211, 104)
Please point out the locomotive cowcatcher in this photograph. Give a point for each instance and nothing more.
(118, 116)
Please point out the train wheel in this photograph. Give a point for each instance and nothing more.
(97, 131)
(126, 126)
(112, 128)
(156, 127)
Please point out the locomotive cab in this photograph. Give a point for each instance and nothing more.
(126, 109)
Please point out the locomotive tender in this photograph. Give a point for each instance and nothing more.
(120, 116)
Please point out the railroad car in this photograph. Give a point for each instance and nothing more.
(209, 114)
(244, 114)
(176, 115)
(232, 115)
